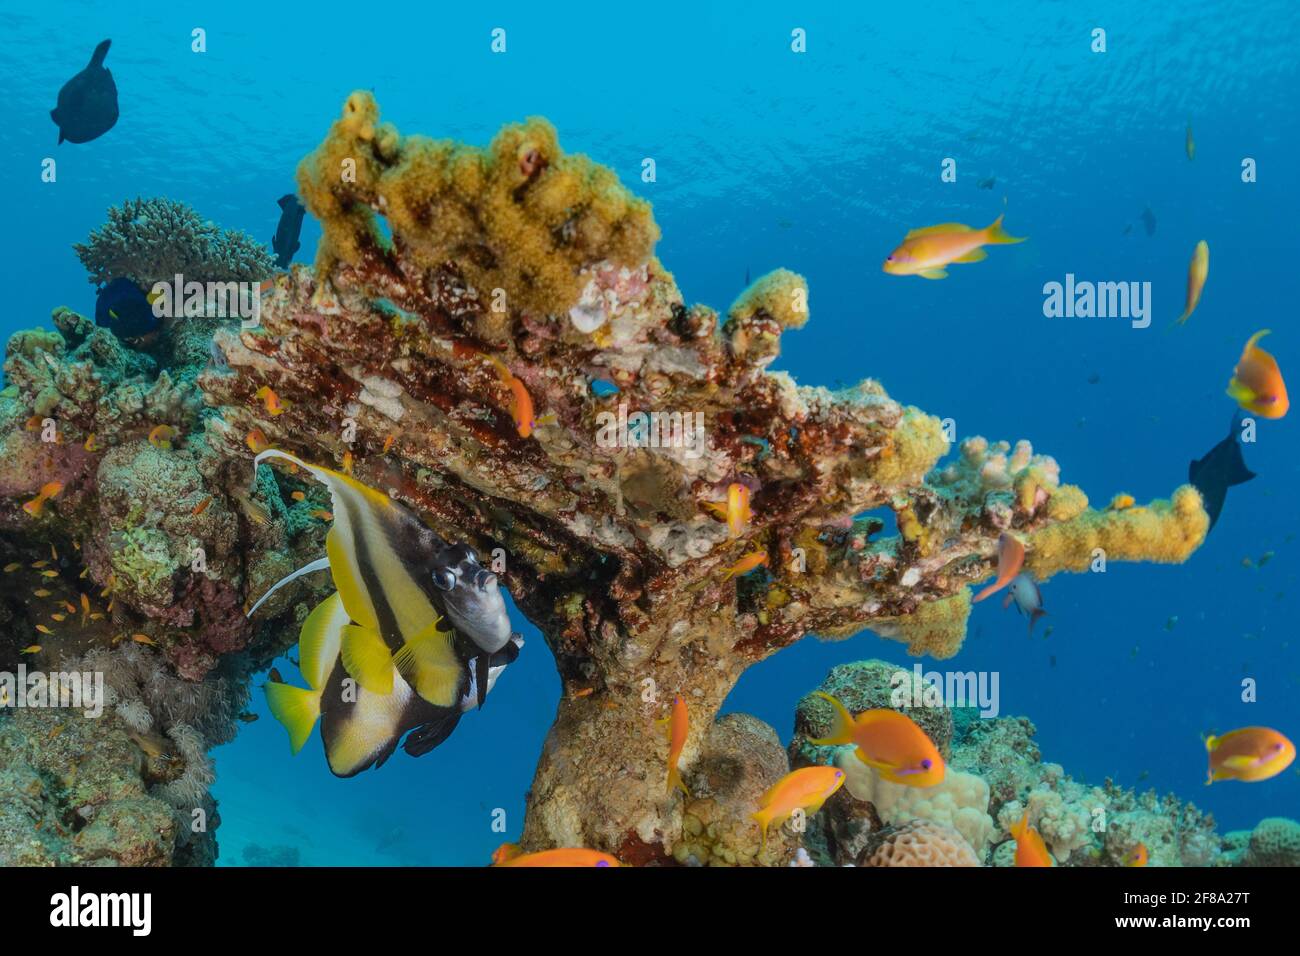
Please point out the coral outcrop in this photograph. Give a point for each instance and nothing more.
(995, 775)
(488, 338)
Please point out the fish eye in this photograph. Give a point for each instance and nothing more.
(925, 764)
(444, 579)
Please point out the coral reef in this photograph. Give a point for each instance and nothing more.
(451, 280)
(995, 775)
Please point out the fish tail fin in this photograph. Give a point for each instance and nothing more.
(675, 781)
(1020, 827)
(842, 729)
(101, 51)
(296, 708)
(1033, 619)
(996, 235)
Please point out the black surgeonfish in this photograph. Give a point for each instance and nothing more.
(394, 627)
(87, 105)
(1220, 469)
(285, 241)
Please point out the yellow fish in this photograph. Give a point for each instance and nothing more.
(1190, 144)
(43, 629)
(804, 789)
(49, 574)
(256, 441)
(90, 443)
(12, 567)
(677, 722)
(143, 639)
(1250, 754)
(267, 396)
(41, 593)
(161, 437)
(746, 564)
(32, 648)
(926, 252)
(736, 511)
(1197, 271)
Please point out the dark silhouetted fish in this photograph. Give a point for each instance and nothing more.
(87, 107)
(124, 310)
(1220, 469)
(988, 183)
(1149, 221)
(285, 242)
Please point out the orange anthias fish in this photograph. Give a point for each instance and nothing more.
(1257, 384)
(736, 511)
(925, 252)
(521, 403)
(266, 395)
(746, 564)
(677, 722)
(1250, 754)
(1030, 848)
(201, 507)
(48, 490)
(1137, 856)
(804, 789)
(569, 856)
(1196, 275)
(161, 436)
(889, 742)
(256, 441)
(1011, 556)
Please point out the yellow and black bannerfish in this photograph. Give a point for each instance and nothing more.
(381, 628)
(378, 553)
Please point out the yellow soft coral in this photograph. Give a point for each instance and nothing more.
(915, 444)
(520, 216)
(936, 628)
(1163, 531)
(781, 295)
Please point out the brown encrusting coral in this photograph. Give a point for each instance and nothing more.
(512, 276)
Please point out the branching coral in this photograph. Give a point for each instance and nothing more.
(153, 240)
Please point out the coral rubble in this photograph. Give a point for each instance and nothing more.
(450, 282)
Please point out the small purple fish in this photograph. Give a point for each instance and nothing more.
(1029, 600)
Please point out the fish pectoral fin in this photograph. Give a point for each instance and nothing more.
(429, 664)
(427, 736)
(1240, 392)
(367, 659)
(296, 708)
(1241, 762)
(943, 228)
(933, 274)
(975, 255)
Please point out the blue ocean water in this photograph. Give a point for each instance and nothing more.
(820, 162)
